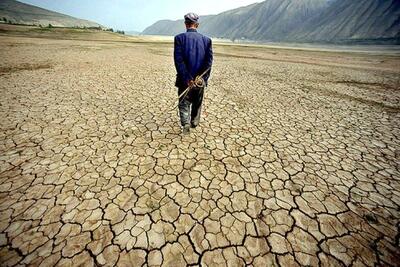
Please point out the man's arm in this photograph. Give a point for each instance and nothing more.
(180, 63)
(208, 60)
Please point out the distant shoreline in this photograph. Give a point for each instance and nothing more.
(79, 33)
(328, 47)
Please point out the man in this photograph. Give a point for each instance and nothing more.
(193, 57)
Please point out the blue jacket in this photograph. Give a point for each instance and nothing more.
(192, 55)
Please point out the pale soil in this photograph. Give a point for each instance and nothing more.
(296, 160)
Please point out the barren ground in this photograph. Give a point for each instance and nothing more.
(296, 161)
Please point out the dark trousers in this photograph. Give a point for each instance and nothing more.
(190, 106)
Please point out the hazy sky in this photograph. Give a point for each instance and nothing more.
(136, 14)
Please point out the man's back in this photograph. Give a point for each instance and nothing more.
(192, 55)
(193, 58)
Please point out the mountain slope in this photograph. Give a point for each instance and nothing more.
(300, 21)
(353, 20)
(166, 27)
(21, 13)
(272, 20)
(268, 20)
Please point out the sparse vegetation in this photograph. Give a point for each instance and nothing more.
(22, 14)
(112, 30)
(51, 26)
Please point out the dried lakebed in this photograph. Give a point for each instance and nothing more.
(296, 162)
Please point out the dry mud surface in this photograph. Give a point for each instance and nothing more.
(296, 161)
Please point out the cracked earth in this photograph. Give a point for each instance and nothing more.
(296, 162)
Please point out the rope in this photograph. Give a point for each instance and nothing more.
(198, 82)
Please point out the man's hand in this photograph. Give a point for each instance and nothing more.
(190, 83)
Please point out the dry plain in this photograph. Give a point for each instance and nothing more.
(296, 162)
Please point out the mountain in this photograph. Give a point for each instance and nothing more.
(269, 20)
(347, 20)
(165, 27)
(21, 13)
(300, 21)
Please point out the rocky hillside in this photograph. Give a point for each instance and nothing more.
(300, 21)
(269, 20)
(20, 13)
(347, 20)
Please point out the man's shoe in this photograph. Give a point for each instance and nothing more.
(186, 129)
(192, 125)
